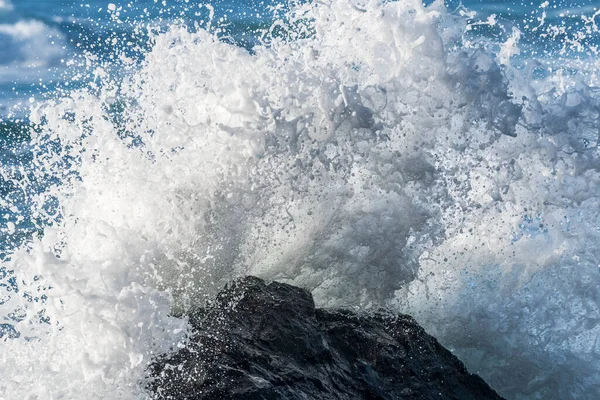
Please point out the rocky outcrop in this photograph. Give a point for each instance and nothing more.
(267, 341)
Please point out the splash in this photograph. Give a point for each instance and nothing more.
(371, 153)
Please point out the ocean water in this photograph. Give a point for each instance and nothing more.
(436, 159)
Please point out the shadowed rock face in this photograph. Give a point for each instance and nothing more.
(267, 341)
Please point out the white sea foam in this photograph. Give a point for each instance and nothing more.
(30, 44)
(5, 5)
(364, 154)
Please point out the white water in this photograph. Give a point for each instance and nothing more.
(29, 44)
(370, 157)
(5, 5)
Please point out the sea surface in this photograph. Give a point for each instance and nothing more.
(438, 159)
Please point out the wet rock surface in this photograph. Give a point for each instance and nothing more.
(261, 340)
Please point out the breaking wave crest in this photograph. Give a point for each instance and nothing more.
(369, 153)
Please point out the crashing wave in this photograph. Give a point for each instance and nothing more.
(365, 153)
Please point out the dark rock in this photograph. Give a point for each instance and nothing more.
(267, 341)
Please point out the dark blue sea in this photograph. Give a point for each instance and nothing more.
(437, 159)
